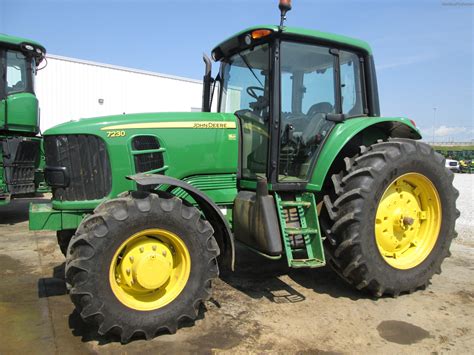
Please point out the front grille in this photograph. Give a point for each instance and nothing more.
(20, 159)
(147, 161)
(86, 164)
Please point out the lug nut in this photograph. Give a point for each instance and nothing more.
(154, 247)
(408, 221)
(131, 258)
(142, 249)
(164, 253)
(128, 271)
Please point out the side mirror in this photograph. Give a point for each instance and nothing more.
(335, 117)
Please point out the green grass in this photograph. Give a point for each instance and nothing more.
(455, 148)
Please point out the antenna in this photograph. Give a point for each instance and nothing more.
(284, 6)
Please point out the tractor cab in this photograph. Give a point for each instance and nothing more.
(289, 88)
(19, 61)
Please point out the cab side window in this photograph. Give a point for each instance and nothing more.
(351, 86)
(319, 88)
(16, 72)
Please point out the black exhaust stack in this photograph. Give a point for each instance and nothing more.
(207, 81)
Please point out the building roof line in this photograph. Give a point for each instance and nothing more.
(117, 67)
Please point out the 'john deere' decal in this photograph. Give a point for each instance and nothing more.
(190, 124)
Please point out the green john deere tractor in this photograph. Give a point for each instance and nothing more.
(20, 147)
(296, 163)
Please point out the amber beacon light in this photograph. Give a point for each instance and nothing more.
(284, 6)
(257, 34)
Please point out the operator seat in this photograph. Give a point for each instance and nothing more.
(316, 115)
(320, 107)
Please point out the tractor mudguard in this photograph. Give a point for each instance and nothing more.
(222, 230)
(395, 127)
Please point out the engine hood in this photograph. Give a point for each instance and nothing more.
(99, 125)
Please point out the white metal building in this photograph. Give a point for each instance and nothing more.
(69, 89)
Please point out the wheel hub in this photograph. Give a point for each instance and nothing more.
(150, 269)
(146, 265)
(407, 221)
(146, 274)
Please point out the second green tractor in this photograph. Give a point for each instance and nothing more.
(296, 163)
(21, 158)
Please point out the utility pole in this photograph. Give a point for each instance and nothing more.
(434, 122)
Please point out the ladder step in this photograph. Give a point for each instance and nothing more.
(307, 263)
(295, 204)
(302, 231)
(306, 251)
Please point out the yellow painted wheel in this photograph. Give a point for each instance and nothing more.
(408, 221)
(150, 269)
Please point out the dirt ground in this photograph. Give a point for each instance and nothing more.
(262, 307)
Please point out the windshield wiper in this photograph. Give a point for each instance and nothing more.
(250, 68)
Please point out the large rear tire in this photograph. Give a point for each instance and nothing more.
(141, 264)
(391, 217)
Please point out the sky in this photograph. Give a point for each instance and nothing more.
(423, 48)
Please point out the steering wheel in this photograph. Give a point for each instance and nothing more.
(251, 90)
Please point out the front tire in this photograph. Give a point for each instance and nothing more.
(64, 238)
(141, 264)
(392, 215)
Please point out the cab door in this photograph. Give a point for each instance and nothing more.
(320, 86)
(308, 91)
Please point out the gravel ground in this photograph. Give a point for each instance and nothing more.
(262, 307)
(465, 203)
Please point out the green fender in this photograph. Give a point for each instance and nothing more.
(374, 127)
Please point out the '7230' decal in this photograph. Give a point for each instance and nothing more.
(115, 134)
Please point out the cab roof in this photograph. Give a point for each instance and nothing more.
(14, 41)
(297, 33)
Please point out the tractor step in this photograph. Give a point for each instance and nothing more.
(295, 204)
(300, 230)
(307, 263)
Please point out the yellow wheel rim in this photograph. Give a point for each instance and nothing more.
(150, 269)
(408, 221)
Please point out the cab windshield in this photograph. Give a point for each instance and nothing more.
(245, 91)
(245, 79)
